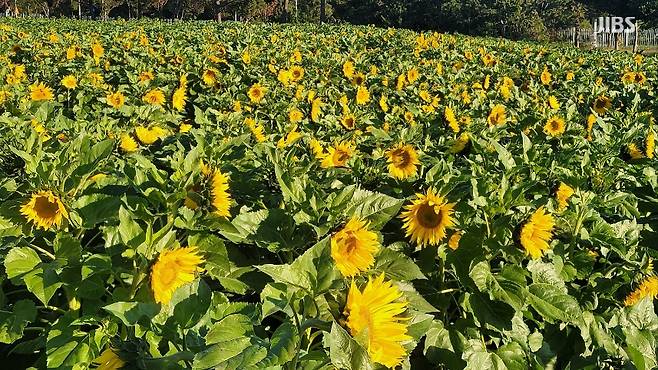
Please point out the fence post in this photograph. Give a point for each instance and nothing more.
(594, 38)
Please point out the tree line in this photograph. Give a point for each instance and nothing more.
(532, 19)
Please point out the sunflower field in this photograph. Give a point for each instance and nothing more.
(257, 196)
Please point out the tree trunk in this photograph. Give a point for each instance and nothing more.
(577, 37)
(286, 16)
(323, 15)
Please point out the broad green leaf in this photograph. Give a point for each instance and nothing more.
(396, 266)
(21, 260)
(345, 352)
(13, 323)
(132, 313)
(553, 304)
(375, 207)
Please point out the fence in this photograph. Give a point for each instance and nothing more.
(646, 37)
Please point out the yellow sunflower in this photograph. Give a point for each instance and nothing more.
(648, 288)
(497, 116)
(145, 76)
(562, 195)
(221, 199)
(602, 104)
(209, 77)
(554, 126)
(348, 121)
(453, 242)
(402, 161)
(376, 311)
(149, 135)
(412, 75)
(256, 129)
(537, 232)
(128, 144)
(650, 144)
(640, 78)
(256, 93)
(296, 73)
(634, 151)
(337, 155)
(116, 100)
(545, 77)
(553, 103)
(316, 109)
(427, 218)
(460, 144)
(70, 82)
(179, 98)
(295, 115)
(353, 247)
(154, 97)
(362, 95)
(40, 91)
(383, 103)
(292, 136)
(316, 149)
(628, 77)
(348, 69)
(449, 116)
(109, 360)
(172, 270)
(45, 209)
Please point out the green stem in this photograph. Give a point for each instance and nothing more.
(52, 308)
(45, 252)
(294, 314)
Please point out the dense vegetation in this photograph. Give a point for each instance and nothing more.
(226, 195)
(530, 19)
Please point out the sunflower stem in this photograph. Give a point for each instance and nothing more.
(52, 308)
(45, 252)
(299, 329)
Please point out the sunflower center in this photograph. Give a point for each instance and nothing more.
(45, 208)
(555, 125)
(428, 217)
(401, 158)
(600, 104)
(350, 242)
(340, 157)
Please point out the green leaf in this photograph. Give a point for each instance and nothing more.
(13, 323)
(283, 346)
(311, 271)
(513, 356)
(21, 260)
(230, 328)
(67, 249)
(132, 313)
(189, 303)
(43, 282)
(396, 266)
(67, 347)
(345, 352)
(499, 287)
(553, 304)
(375, 207)
(131, 233)
(439, 347)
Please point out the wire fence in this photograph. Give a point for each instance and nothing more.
(584, 36)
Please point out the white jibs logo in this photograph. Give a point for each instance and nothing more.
(614, 25)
